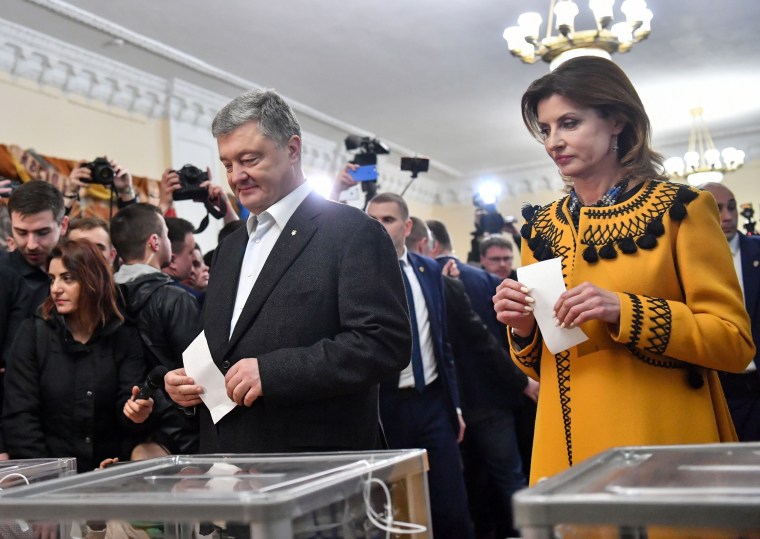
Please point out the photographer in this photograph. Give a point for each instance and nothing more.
(97, 172)
(171, 182)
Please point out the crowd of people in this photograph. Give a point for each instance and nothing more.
(342, 329)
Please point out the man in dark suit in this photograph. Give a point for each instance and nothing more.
(742, 390)
(495, 395)
(420, 407)
(304, 311)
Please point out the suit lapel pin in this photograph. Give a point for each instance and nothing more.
(422, 269)
(293, 232)
(756, 263)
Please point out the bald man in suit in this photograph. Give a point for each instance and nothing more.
(743, 389)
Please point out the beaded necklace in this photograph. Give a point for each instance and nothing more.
(608, 199)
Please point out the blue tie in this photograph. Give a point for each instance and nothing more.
(417, 368)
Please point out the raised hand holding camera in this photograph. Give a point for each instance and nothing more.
(192, 183)
(100, 172)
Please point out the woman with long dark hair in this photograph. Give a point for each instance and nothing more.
(649, 279)
(72, 370)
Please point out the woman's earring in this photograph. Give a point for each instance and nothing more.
(614, 143)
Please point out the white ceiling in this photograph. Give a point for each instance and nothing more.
(434, 77)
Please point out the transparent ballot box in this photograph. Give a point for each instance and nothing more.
(327, 495)
(22, 472)
(693, 491)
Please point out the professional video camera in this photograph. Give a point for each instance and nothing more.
(369, 149)
(748, 213)
(191, 178)
(488, 220)
(101, 172)
(366, 157)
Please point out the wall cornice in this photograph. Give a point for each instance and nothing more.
(51, 63)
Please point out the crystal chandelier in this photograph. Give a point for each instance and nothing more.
(523, 40)
(702, 163)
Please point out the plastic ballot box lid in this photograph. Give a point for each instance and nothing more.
(237, 488)
(22, 472)
(712, 485)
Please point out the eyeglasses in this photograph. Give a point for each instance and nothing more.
(499, 259)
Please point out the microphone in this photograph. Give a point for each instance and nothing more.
(154, 381)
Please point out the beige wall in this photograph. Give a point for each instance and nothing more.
(70, 128)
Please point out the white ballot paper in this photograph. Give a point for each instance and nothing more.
(201, 367)
(546, 286)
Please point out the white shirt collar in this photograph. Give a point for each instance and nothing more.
(282, 210)
(405, 257)
(734, 244)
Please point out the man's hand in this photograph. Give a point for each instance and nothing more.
(343, 181)
(531, 390)
(5, 456)
(182, 389)
(450, 269)
(243, 381)
(462, 427)
(138, 410)
(45, 530)
(122, 181)
(5, 187)
(169, 183)
(75, 182)
(215, 193)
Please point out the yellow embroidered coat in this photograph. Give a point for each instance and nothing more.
(650, 381)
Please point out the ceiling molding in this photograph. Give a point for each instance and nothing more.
(191, 62)
(52, 63)
(49, 62)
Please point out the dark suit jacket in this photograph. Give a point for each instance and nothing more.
(23, 288)
(750, 254)
(480, 287)
(485, 380)
(327, 321)
(428, 274)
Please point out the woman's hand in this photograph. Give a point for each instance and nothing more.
(138, 410)
(586, 302)
(514, 307)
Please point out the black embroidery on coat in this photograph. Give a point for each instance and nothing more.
(603, 239)
(533, 359)
(563, 380)
(661, 319)
(637, 319)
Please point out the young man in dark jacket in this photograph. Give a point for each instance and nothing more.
(38, 220)
(167, 317)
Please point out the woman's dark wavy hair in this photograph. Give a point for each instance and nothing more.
(97, 290)
(600, 84)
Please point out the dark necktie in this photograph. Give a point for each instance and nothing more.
(417, 368)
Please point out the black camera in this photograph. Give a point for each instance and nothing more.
(101, 172)
(415, 165)
(190, 179)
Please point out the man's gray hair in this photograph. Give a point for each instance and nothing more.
(274, 116)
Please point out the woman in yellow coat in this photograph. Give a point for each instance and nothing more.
(649, 277)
